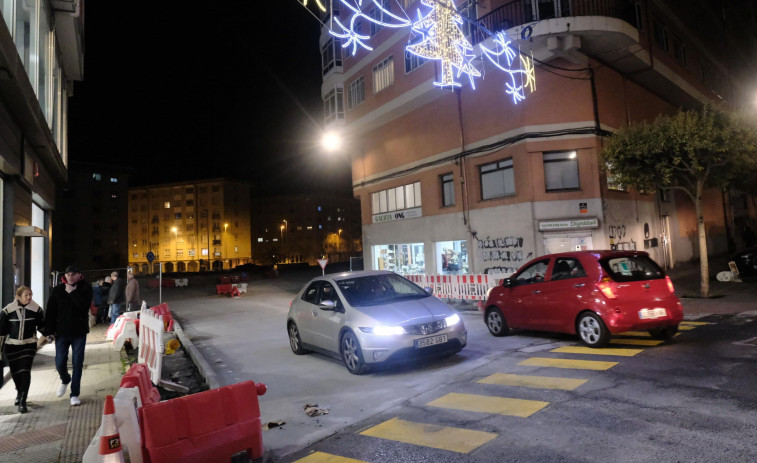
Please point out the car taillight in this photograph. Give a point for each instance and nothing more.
(608, 288)
(670, 285)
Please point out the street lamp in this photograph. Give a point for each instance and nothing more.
(331, 141)
(338, 236)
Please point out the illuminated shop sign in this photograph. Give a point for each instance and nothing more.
(398, 215)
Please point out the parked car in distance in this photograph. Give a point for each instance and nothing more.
(590, 293)
(746, 261)
(372, 317)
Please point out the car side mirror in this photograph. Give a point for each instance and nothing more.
(507, 283)
(327, 305)
(429, 289)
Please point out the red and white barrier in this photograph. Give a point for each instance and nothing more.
(126, 401)
(471, 287)
(151, 342)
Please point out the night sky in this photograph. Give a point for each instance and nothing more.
(193, 90)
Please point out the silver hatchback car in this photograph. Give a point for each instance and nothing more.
(372, 317)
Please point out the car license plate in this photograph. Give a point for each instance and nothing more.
(652, 313)
(433, 340)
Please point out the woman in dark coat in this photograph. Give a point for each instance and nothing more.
(19, 322)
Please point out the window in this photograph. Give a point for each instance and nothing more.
(395, 199)
(113, 180)
(355, 92)
(612, 182)
(567, 268)
(177, 215)
(534, 273)
(167, 205)
(448, 190)
(331, 55)
(333, 105)
(383, 75)
(561, 171)
(190, 202)
(413, 62)
(260, 240)
(189, 190)
(660, 34)
(639, 16)
(379, 15)
(664, 195)
(97, 177)
(497, 179)
(679, 50)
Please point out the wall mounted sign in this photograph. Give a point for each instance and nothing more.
(398, 215)
(568, 224)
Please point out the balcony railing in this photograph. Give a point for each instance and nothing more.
(519, 12)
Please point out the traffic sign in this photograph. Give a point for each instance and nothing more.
(322, 263)
(150, 256)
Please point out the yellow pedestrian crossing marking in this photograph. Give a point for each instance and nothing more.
(489, 404)
(595, 351)
(695, 323)
(635, 342)
(430, 435)
(568, 363)
(635, 333)
(542, 382)
(321, 457)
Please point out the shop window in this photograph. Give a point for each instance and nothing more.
(452, 257)
(561, 171)
(405, 259)
(497, 179)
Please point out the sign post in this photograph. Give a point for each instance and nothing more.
(322, 263)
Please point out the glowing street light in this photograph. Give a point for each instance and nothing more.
(331, 141)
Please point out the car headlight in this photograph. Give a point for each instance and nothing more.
(453, 319)
(383, 330)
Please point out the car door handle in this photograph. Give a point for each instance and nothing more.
(579, 285)
(536, 291)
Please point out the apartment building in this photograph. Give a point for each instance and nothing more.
(486, 153)
(305, 228)
(189, 226)
(41, 55)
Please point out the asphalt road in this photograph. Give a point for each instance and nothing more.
(690, 400)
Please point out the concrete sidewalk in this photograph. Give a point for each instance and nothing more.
(53, 430)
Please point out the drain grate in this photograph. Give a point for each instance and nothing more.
(32, 438)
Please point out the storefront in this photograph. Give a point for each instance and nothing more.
(405, 259)
(452, 257)
(568, 235)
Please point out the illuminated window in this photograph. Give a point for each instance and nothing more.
(97, 176)
(260, 240)
(167, 205)
(383, 75)
(113, 180)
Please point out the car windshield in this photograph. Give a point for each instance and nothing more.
(379, 289)
(632, 268)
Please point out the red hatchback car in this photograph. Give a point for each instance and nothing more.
(590, 293)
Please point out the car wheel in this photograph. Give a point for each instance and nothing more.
(352, 354)
(496, 322)
(294, 339)
(592, 330)
(665, 334)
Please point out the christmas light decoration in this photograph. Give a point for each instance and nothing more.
(441, 38)
(521, 78)
(317, 2)
(352, 36)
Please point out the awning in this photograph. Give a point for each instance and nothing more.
(28, 230)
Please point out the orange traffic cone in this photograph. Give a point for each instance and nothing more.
(110, 441)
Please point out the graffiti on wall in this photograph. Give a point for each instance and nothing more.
(502, 255)
(617, 235)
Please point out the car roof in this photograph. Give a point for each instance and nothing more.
(357, 274)
(599, 253)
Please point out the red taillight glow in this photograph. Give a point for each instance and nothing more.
(608, 288)
(670, 285)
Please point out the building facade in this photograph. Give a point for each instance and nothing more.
(460, 179)
(91, 218)
(305, 228)
(41, 55)
(189, 226)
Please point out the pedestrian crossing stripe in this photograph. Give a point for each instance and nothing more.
(430, 435)
(488, 404)
(635, 333)
(695, 323)
(567, 363)
(635, 342)
(321, 457)
(542, 382)
(595, 351)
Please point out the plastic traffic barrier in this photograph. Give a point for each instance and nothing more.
(126, 401)
(208, 426)
(138, 376)
(223, 289)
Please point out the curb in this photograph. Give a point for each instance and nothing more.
(202, 365)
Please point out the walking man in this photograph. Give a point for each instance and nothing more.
(132, 292)
(116, 296)
(67, 318)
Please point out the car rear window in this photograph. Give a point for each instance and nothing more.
(632, 268)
